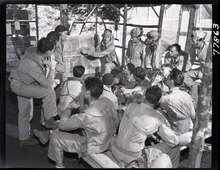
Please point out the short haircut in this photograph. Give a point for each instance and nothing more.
(177, 76)
(153, 94)
(140, 73)
(95, 86)
(53, 36)
(44, 45)
(131, 67)
(167, 65)
(177, 46)
(78, 71)
(60, 28)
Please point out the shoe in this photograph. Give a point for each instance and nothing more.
(43, 136)
(58, 165)
(28, 142)
(51, 123)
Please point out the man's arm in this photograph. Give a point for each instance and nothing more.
(130, 91)
(68, 122)
(105, 52)
(143, 54)
(180, 63)
(38, 75)
(171, 139)
(164, 101)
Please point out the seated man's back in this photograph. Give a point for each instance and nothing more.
(138, 122)
(70, 91)
(102, 123)
(99, 122)
(132, 137)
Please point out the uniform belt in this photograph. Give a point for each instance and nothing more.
(126, 152)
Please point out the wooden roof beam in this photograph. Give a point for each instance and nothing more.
(87, 19)
(207, 9)
(155, 11)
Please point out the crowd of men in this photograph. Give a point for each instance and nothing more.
(142, 112)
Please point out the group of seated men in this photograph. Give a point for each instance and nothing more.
(149, 116)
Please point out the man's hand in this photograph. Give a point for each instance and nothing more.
(56, 82)
(157, 79)
(52, 64)
(66, 115)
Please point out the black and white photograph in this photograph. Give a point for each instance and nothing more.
(109, 85)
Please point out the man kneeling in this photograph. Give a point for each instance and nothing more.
(98, 121)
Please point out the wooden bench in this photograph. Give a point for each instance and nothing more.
(106, 159)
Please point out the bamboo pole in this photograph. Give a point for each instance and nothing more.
(191, 25)
(155, 11)
(87, 19)
(112, 23)
(64, 15)
(207, 9)
(196, 147)
(124, 34)
(160, 23)
(179, 24)
(15, 17)
(36, 21)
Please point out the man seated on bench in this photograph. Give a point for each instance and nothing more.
(71, 93)
(179, 110)
(138, 123)
(98, 121)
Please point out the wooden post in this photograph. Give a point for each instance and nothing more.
(190, 27)
(179, 24)
(124, 34)
(15, 17)
(196, 147)
(36, 20)
(64, 15)
(84, 23)
(160, 23)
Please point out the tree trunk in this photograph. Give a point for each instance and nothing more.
(64, 15)
(202, 116)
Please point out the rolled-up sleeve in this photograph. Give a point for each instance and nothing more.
(180, 63)
(74, 122)
(168, 135)
(105, 52)
(38, 75)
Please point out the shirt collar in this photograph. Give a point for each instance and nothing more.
(107, 88)
(174, 89)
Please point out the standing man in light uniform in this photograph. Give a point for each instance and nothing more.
(29, 80)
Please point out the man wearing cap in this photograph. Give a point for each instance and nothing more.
(108, 81)
(136, 48)
(154, 51)
(106, 52)
(198, 52)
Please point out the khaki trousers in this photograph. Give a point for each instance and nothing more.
(24, 94)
